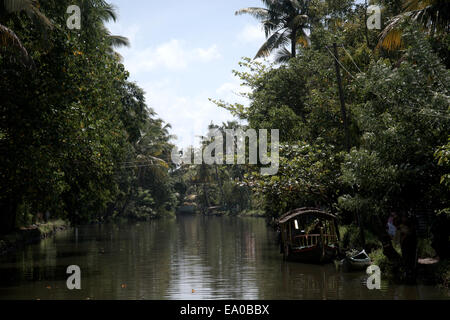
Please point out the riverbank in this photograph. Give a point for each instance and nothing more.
(429, 271)
(252, 213)
(30, 235)
(217, 212)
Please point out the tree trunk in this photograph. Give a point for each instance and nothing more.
(440, 231)
(294, 43)
(409, 250)
(385, 239)
(205, 191)
(219, 181)
(341, 97)
(388, 249)
(409, 255)
(361, 231)
(8, 216)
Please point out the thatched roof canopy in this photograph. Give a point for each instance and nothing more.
(306, 211)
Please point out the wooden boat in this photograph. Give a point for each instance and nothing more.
(215, 211)
(187, 209)
(189, 206)
(357, 262)
(309, 235)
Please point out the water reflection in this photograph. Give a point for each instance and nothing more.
(190, 257)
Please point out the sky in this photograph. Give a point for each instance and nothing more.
(182, 53)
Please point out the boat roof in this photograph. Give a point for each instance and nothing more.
(306, 211)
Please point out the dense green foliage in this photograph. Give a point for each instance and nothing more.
(76, 137)
(78, 140)
(398, 113)
(219, 185)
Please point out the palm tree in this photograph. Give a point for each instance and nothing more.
(434, 15)
(8, 37)
(96, 14)
(153, 147)
(283, 21)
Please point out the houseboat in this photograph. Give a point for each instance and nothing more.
(309, 235)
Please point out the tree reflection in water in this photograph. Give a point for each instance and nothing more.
(188, 257)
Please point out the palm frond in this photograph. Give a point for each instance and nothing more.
(433, 14)
(275, 41)
(9, 39)
(413, 5)
(283, 55)
(269, 26)
(119, 41)
(390, 37)
(31, 9)
(39, 17)
(258, 13)
(149, 159)
(14, 6)
(392, 40)
(107, 12)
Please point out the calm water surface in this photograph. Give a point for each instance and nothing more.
(190, 257)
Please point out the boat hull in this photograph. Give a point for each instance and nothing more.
(359, 266)
(187, 210)
(358, 262)
(315, 254)
(352, 265)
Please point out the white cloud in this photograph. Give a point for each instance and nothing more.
(210, 54)
(251, 34)
(188, 115)
(172, 55)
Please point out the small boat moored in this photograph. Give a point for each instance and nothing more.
(189, 205)
(215, 211)
(357, 262)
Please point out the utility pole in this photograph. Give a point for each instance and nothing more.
(361, 230)
(341, 96)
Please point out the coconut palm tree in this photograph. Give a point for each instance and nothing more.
(434, 15)
(95, 14)
(284, 21)
(8, 37)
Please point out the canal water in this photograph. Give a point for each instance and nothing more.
(188, 257)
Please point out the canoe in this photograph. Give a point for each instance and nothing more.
(357, 262)
(187, 209)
